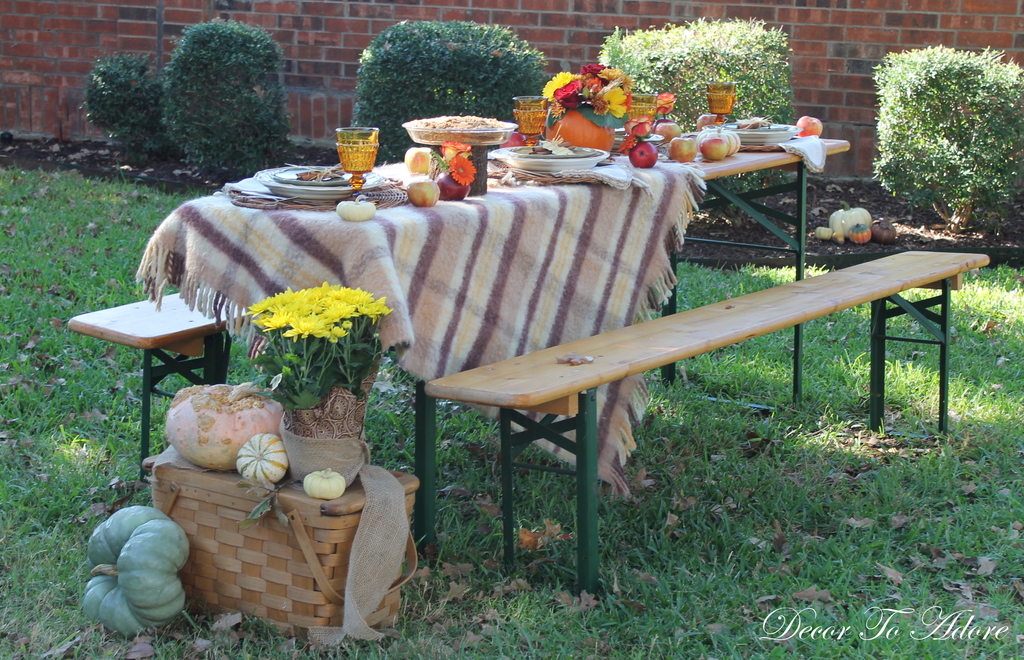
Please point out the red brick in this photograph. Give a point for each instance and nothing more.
(869, 18)
(852, 82)
(563, 20)
(1008, 7)
(37, 8)
(183, 16)
(80, 10)
(596, 6)
(323, 8)
(276, 7)
(369, 10)
(860, 99)
(473, 15)
(766, 14)
(537, 35)
(586, 37)
(872, 35)
(137, 44)
(811, 79)
(809, 48)
(803, 65)
(803, 15)
(135, 29)
(101, 26)
(357, 41)
(962, 22)
(78, 67)
(912, 20)
(819, 33)
(64, 52)
(64, 24)
(608, 23)
(644, 8)
(34, 36)
(984, 40)
(22, 22)
(20, 77)
(926, 38)
(346, 26)
(873, 5)
(708, 11)
(16, 49)
(406, 13)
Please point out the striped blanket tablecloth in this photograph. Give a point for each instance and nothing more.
(474, 282)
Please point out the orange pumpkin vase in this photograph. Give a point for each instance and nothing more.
(579, 131)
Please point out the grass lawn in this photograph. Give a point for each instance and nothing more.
(724, 543)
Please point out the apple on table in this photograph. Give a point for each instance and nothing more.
(424, 193)
(417, 160)
(682, 149)
(809, 126)
(714, 148)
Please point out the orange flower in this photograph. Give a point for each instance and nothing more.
(451, 149)
(628, 143)
(462, 170)
(666, 102)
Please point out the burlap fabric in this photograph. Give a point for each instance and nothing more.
(328, 435)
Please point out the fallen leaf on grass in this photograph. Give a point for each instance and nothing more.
(62, 650)
(859, 522)
(421, 574)
(636, 606)
(582, 603)
(456, 590)
(892, 574)
(139, 651)
(518, 584)
(226, 622)
(764, 603)
(201, 645)
(985, 566)
(456, 570)
(969, 488)
(487, 504)
(898, 521)
(812, 594)
(716, 628)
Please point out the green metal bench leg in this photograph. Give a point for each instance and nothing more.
(876, 400)
(586, 492)
(801, 252)
(507, 512)
(944, 357)
(668, 372)
(424, 517)
(148, 387)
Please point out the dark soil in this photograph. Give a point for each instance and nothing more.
(917, 228)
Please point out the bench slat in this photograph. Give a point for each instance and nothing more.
(139, 325)
(534, 379)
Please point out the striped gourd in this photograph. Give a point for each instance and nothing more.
(262, 459)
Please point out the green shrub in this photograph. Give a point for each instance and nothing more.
(950, 129)
(682, 58)
(224, 104)
(123, 98)
(415, 70)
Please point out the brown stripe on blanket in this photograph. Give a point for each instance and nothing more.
(620, 245)
(293, 229)
(538, 287)
(484, 224)
(426, 259)
(491, 321)
(572, 281)
(235, 254)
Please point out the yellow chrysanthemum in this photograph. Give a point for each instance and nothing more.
(616, 100)
(560, 80)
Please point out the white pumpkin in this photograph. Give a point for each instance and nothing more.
(262, 459)
(324, 484)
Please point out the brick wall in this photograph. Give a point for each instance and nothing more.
(47, 47)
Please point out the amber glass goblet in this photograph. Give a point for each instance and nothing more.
(643, 105)
(531, 114)
(721, 97)
(357, 151)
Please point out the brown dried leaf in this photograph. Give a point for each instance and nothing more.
(812, 594)
(226, 621)
(764, 603)
(985, 566)
(892, 574)
(139, 651)
(487, 504)
(587, 601)
(635, 606)
(969, 488)
(859, 522)
(201, 645)
(989, 327)
(532, 541)
(899, 521)
(62, 650)
(575, 359)
(456, 590)
(456, 570)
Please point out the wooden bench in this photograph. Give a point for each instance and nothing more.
(567, 394)
(175, 340)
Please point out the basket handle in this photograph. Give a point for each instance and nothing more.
(172, 497)
(295, 519)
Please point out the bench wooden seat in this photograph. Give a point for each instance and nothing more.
(174, 340)
(537, 382)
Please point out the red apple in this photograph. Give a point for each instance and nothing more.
(714, 148)
(424, 193)
(417, 160)
(682, 149)
(517, 139)
(808, 126)
(451, 189)
(643, 155)
(668, 129)
(706, 120)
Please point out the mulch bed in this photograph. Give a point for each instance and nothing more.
(917, 228)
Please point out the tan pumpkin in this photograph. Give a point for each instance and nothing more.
(324, 484)
(208, 424)
(262, 459)
(579, 131)
(841, 221)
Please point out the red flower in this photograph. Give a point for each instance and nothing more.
(638, 126)
(592, 69)
(569, 95)
(666, 102)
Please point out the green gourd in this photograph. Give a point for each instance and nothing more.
(135, 556)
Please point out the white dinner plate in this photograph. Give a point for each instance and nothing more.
(774, 134)
(577, 152)
(291, 176)
(313, 193)
(549, 165)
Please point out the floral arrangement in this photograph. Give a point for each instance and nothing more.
(315, 339)
(454, 160)
(639, 129)
(601, 94)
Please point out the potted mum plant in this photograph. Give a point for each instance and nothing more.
(319, 350)
(584, 109)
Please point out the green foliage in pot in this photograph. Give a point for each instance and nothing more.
(125, 99)
(682, 59)
(135, 556)
(224, 103)
(950, 129)
(416, 70)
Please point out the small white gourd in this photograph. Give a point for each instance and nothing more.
(324, 484)
(262, 459)
(356, 211)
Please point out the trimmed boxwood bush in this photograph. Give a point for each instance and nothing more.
(224, 103)
(125, 99)
(683, 59)
(415, 70)
(950, 129)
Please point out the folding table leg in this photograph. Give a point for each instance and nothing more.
(507, 512)
(586, 492)
(668, 372)
(147, 407)
(424, 517)
(876, 400)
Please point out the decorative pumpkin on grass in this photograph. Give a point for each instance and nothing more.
(859, 233)
(843, 220)
(883, 232)
(135, 556)
(208, 424)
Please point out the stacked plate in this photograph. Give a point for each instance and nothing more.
(522, 158)
(620, 135)
(774, 134)
(297, 183)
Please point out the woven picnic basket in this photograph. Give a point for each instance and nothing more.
(293, 576)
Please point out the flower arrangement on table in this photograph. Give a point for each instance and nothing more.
(640, 129)
(601, 94)
(316, 339)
